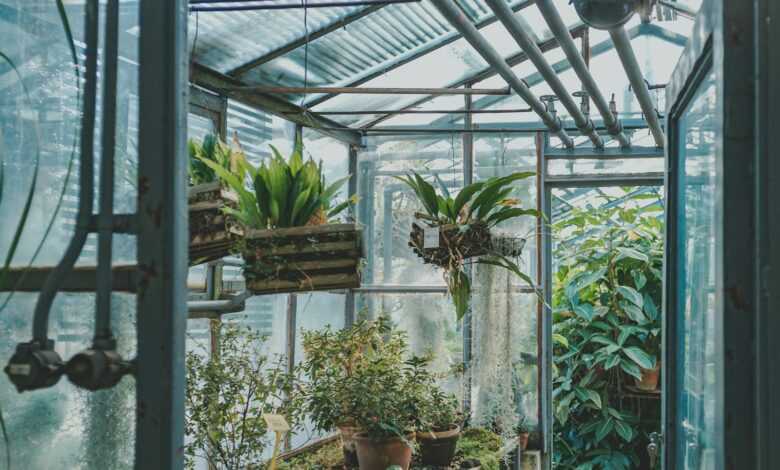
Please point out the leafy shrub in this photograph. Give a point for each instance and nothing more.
(607, 326)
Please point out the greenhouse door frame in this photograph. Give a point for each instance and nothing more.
(547, 184)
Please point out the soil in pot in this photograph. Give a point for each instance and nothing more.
(348, 445)
(378, 454)
(649, 382)
(437, 449)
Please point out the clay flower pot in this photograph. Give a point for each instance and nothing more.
(348, 432)
(437, 449)
(522, 440)
(649, 382)
(380, 453)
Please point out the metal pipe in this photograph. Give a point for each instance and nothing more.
(458, 19)
(204, 6)
(682, 10)
(561, 32)
(295, 90)
(86, 181)
(628, 58)
(425, 111)
(103, 282)
(535, 54)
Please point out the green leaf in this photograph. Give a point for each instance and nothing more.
(641, 358)
(584, 311)
(604, 429)
(560, 339)
(624, 431)
(601, 339)
(630, 294)
(625, 252)
(465, 195)
(631, 369)
(612, 361)
(633, 312)
(650, 308)
(586, 394)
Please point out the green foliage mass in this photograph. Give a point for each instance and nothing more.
(212, 150)
(607, 327)
(282, 192)
(227, 395)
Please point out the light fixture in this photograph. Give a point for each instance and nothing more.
(606, 14)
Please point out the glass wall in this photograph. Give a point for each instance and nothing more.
(62, 426)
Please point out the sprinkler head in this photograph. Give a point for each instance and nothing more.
(34, 366)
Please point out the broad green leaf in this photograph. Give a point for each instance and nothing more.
(631, 369)
(650, 308)
(625, 252)
(465, 195)
(641, 358)
(630, 294)
(605, 428)
(612, 361)
(633, 312)
(560, 339)
(624, 430)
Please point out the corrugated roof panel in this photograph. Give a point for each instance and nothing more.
(226, 40)
(367, 46)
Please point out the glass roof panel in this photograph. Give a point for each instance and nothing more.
(226, 40)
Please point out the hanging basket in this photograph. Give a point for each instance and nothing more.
(212, 233)
(300, 259)
(460, 241)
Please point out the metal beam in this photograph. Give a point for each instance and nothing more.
(577, 62)
(213, 80)
(425, 111)
(295, 90)
(289, 47)
(513, 60)
(162, 235)
(626, 53)
(535, 54)
(203, 6)
(426, 49)
(605, 154)
(458, 19)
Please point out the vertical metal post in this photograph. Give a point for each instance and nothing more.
(352, 188)
(468, 178)
(544, 326)
(291, 326)
(162, 234)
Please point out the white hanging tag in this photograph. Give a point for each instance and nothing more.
(431, 237)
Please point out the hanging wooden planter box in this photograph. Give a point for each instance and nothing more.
(213, 234)
(300, 259)
(460, 241)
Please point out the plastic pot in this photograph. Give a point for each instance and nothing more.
(437, 449)
(522, 440)
(380, 453)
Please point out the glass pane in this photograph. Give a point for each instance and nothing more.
(620, 166)
(699, 271)
(501, 155)
(334, 156)
(387, 206)
(61, 426)
(199, 127)
(255, 130)
(429, 321)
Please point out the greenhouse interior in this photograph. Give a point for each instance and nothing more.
(389, 234)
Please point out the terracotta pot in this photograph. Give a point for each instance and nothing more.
(522, 440)
(649, 382)
(437, 449)
(380, 453)
(348, 432)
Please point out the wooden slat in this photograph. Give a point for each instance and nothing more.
(301, 231)
(80, 279)
(348, 246)
(314, 283)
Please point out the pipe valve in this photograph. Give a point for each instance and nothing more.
(34, 366)
(549, 104)
(584, 97)
(96, 369)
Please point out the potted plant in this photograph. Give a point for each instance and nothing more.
(383, 401)
(463, 227)
(212, 231)
(333, 361)
(438, 436)
(523, 432)
(293, 241)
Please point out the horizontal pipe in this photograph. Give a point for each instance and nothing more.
(628, 58)
(204, 6)
(566, 41)
(536, 56)
(459, 21)
(426, 111)
(294, 90)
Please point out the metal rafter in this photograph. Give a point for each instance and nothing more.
(513, 60)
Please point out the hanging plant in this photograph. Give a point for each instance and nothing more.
(293, 240)
(453, 230)
(212, 232)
